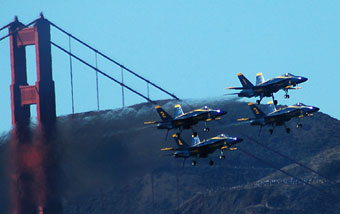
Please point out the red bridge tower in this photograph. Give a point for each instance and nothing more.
(34, 187)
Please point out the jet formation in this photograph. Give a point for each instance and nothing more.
(272, 117)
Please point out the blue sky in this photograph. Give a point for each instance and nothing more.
(193, 48)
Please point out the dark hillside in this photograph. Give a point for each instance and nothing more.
(111, 163)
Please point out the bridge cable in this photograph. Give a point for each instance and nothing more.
(147, 89)
(97, 85)
(71, 74)
(203, 192)
(101, 72)
(177, 186)
(115, 62)
(17, 30)
(287, 157)
(6, 26)
(123, 97)
(152, 194)
(287, 173)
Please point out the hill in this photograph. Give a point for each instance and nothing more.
(111, 163)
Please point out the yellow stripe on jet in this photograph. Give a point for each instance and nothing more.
(166, 149)
(150, 122)
(217, 138)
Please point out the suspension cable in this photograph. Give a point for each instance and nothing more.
(17, 30)
(123, 96)
(287, 173)
(97, 85)
(148, 89)
(101, 72)
(71, 75)
(115, 62)
(292, 160)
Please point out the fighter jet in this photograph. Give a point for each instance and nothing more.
(278, 117)
(202, 149)
(187, 120)
(269, 87)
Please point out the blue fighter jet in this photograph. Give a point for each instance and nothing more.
(278, 117)
(269, 87)
(187, 120)
(202, 149)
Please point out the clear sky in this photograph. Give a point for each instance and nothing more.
(193, 48)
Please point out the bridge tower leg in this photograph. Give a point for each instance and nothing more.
(34, 166)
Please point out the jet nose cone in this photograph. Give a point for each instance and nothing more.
(238, 139)
(302, 79)
(315, 109)
(311, 109)
(220, 112)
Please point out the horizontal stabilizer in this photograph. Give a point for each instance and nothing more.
(237, 88)
(232, 94)
(150, 122)
(167, 149)
(243, 119)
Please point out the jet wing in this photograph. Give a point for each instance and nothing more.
(189, 116)
(230, 148)
(204, 143)
(292, 88)
(283, 113)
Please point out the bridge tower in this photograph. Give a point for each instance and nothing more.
(33, 162)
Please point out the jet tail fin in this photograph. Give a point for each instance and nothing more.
(164, 116)
(178, 110)
(244, 81)
(257, 112)
(195, 139)
(259, 78)
(270, 107)
(180, 143)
